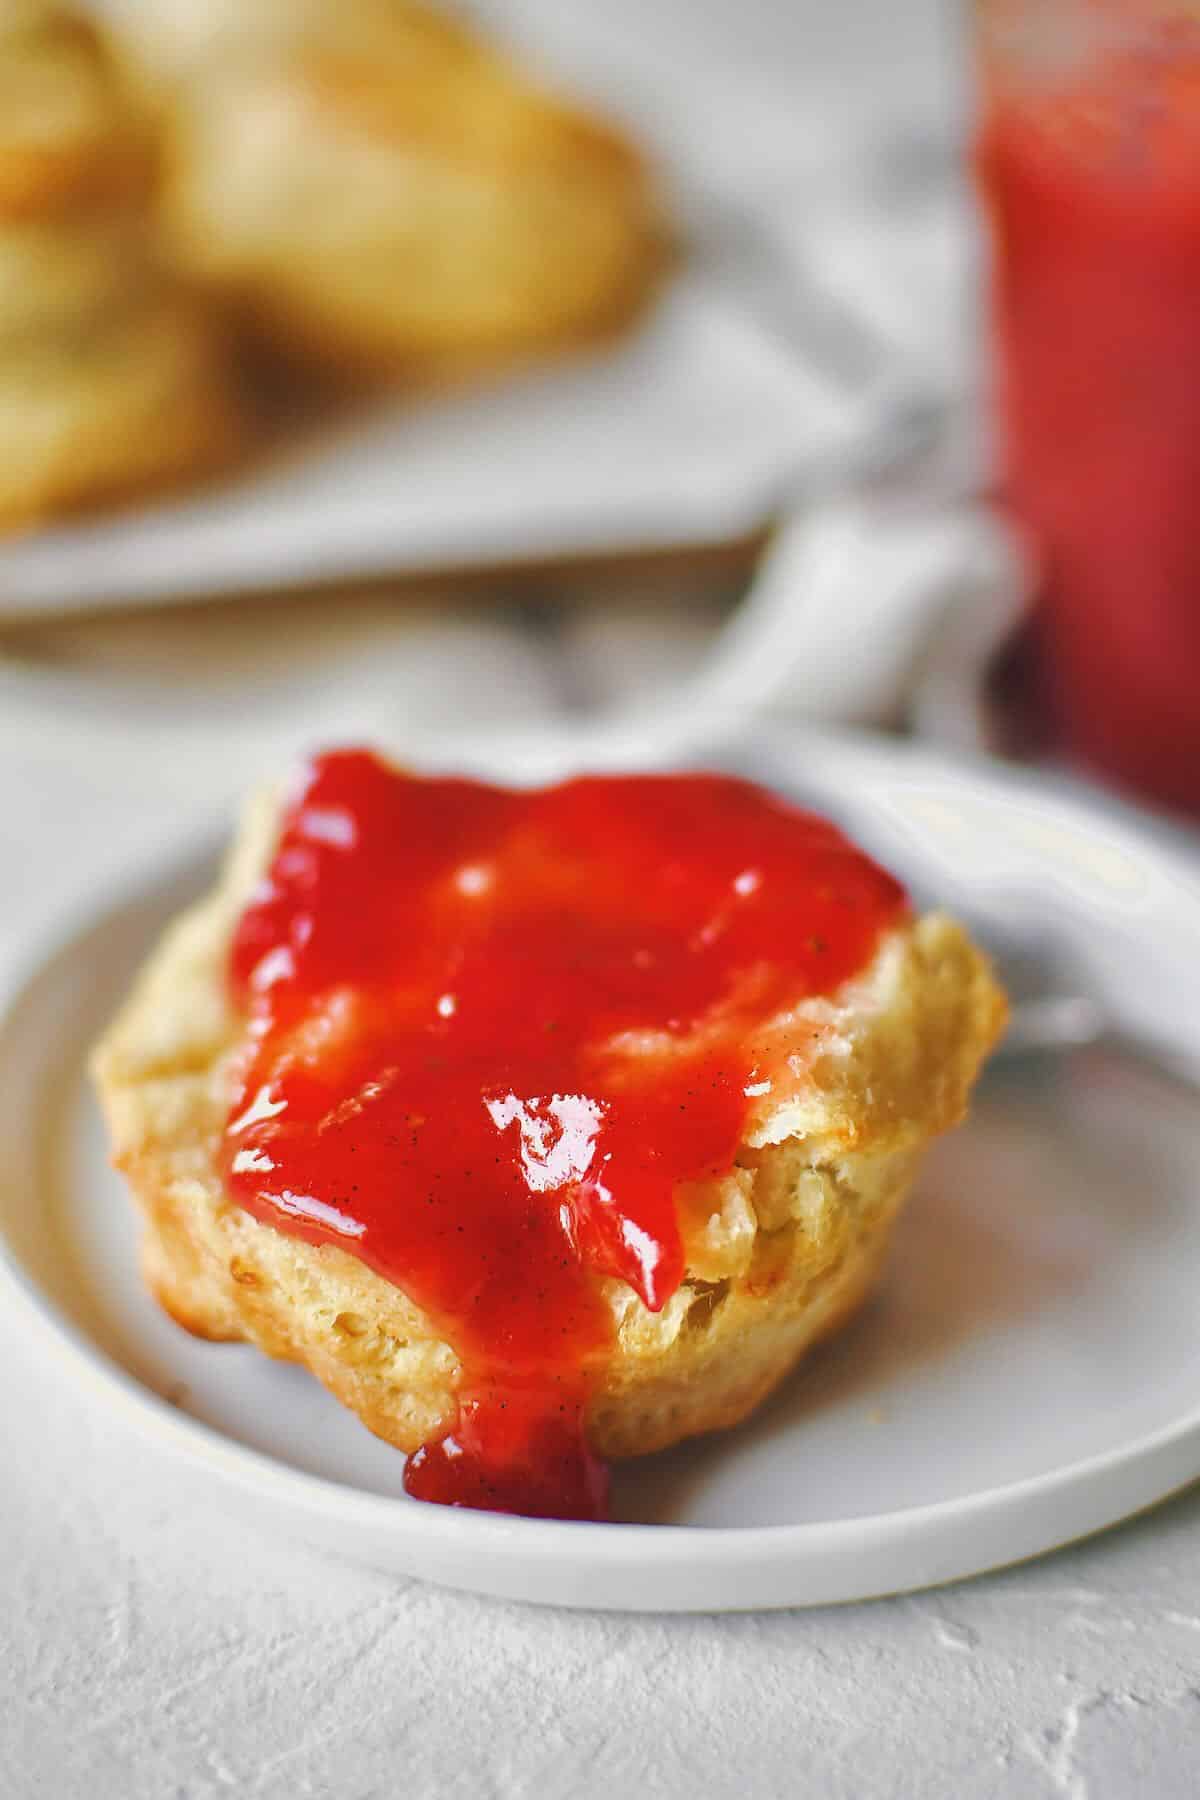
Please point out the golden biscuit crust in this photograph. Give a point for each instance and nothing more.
(780, 1251)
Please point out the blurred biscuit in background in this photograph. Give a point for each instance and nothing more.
(138, 400)
(377, 189)
(110, 380)
(359, 186)
(67, 139)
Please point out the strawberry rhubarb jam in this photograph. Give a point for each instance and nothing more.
(489, 1034)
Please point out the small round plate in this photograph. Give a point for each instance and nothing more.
(1029, 1373)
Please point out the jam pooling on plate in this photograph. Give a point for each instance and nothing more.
(489, 1034)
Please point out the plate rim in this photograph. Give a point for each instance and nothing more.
(559, 1544)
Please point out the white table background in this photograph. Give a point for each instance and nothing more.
(152, 1646)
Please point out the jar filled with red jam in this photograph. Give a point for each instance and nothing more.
(1089, 163)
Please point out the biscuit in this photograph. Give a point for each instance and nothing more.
(134, 400)
(110, 380)
(68, 136)
(178, 40)
(379, 190)
(780, 1249)
(54, 279)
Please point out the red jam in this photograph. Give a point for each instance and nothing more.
(474, 1059)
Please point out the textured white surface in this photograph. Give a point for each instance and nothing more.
(151, 1647)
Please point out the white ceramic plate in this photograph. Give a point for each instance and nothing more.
(1030, 1373)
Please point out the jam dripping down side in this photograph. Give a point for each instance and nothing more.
(488, 1035)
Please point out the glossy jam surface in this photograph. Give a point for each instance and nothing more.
(1092, 181)
(489, 1033)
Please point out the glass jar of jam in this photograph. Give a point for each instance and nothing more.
(1088, 157)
